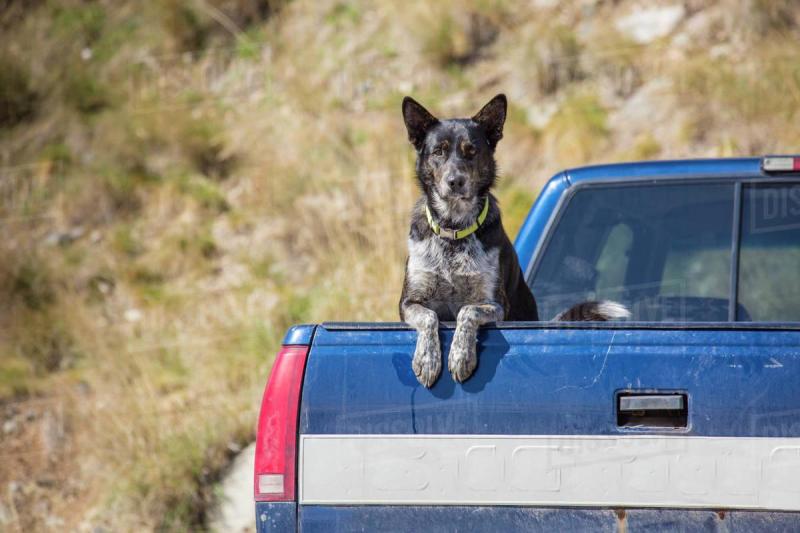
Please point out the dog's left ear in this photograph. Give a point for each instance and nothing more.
(491, 118)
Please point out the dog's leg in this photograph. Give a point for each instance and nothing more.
(463, 356)
(427, 363)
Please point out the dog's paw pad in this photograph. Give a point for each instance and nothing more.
(462, 368)
(427, 371)
(463, 359)
(427, 364)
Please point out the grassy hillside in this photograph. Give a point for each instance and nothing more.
(180, 181)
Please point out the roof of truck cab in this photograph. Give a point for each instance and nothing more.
(681, 168)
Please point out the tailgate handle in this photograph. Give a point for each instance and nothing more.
(654, 402)
(645, 410)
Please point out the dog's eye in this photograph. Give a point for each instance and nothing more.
(469, 150)
(439, 150)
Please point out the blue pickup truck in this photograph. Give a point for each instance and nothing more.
(685, 418)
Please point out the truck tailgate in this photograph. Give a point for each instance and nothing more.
(537, 437)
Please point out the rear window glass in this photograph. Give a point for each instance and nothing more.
(662, 250)
(769, 257)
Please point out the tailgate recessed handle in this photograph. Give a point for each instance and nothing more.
(652, 402)
(652, 410)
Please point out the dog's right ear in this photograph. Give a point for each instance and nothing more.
(418, 121)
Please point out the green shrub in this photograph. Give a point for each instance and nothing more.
(204, 192)
(192, 26)
(201, 142)
(46, 343)
(772, 16)
(85, 19)
(578, 129)
(617, 60)
(59, 154)
(85, 93)
(556, 56)
(121, 189)
(31, 283)
(18, 100)
(644, 147)
(182, 22)
(16, 375)
(766, 86)
(515, 201)
(125, 241)
(458, 37)
(343, 13)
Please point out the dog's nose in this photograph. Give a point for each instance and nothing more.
(455, 182)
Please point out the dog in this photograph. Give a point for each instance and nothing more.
(461, 264)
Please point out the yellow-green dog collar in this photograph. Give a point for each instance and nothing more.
(454, 234)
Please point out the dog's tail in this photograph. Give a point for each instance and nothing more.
(594, 311)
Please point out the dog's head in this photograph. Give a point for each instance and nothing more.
(455, 157)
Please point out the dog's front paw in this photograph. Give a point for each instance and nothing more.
(427, 363)
(463, 356)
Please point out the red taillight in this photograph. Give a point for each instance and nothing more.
(276, 443)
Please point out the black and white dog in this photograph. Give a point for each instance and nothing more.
(461, 265)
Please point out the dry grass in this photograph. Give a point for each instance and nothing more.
(752, 103)
(182, 183)
(577, 132)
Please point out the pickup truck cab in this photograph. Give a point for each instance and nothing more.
(686, 417)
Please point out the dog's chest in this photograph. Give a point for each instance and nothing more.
(452, 273)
